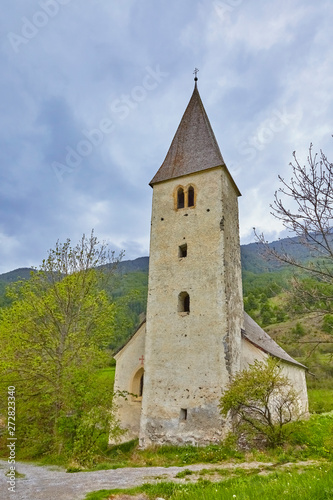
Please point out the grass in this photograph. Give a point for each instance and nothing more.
(315, 436)
(313, 483)
(17, 474)
(128, 455)
(309, 439)
(320, 400)
(106, 373)
(184, 473)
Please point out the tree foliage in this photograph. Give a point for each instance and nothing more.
(129, 292)
(261, 400)
(53, 341)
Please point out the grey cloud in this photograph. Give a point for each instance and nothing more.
(64, 81)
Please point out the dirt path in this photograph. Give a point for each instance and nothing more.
(53, 483)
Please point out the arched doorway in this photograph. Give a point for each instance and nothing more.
(137, 385)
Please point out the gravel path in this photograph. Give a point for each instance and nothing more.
(53, 483)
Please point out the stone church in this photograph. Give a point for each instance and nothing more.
(196, 335)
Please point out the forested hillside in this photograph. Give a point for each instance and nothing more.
(265, 289)
(252, 260)
(87, 314)
(262, 281)
(127, 287)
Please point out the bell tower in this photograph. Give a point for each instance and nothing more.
(195, 306)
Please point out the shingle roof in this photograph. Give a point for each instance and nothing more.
(194, 147)
(258, 337)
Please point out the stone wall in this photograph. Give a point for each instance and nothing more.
(130, 366)
(295, 374)
(190, 356)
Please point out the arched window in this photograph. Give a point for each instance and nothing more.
(137, 385)
(180, 198)
(141, 386)
(184, 302)
(190, 196)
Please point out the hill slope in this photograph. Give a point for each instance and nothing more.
(252, 260)
(265, 300)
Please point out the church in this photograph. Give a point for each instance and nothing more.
(196, 335)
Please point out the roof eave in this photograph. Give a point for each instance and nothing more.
(291, 361)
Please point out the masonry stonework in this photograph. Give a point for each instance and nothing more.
(130, 365)
(189, 355)
(196, 336)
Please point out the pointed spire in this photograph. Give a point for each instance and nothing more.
(194, 147)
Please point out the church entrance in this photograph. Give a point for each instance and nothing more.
(137, 385)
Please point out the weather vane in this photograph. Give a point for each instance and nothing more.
(195, 72)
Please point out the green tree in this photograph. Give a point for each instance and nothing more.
(298, 331)
(4, 299)
(251, 302)
(129, 292)
(261, 401)
(53, 341)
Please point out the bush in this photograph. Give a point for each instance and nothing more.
(261, 401)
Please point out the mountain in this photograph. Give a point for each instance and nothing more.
(129, 266)
(251, 254)
(253, 258)
(23, 273)
(264, 285)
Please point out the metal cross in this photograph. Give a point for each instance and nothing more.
(195, 72)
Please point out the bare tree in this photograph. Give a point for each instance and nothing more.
(305, 206)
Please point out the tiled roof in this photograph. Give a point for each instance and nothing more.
(194, 147)
(258, 337)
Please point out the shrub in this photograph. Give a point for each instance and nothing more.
(261, 401)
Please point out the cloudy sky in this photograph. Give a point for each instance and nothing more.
(92, 92)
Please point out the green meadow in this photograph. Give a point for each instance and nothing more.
(294, 483)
